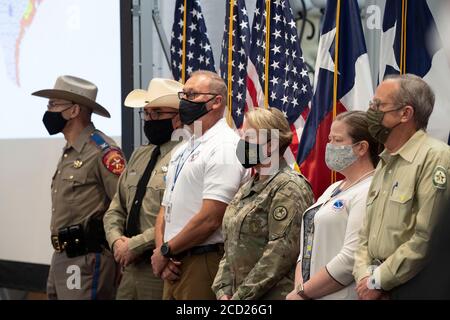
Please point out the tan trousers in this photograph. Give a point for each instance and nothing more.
(89, 277)
(139, 283)
(197, 275)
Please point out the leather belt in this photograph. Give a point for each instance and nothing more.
(199, 250)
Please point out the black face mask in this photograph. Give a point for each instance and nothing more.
(191, 111)
(54, 122)
(158, 132)
(249, 154)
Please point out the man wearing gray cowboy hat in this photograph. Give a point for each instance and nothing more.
(83, 185)
(130, 219)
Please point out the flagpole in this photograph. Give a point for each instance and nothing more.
(230, 64)
(267, 57)
(404, 27)
(183, 57)
(336, 70)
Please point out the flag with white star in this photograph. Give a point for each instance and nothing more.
(240, 51)
(352, 92)
(289, 87)
(189, 46)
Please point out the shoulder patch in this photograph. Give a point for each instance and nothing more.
(280, 213)
(440, 177)
(114, 161)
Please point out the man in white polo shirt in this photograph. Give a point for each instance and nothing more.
(203, 177)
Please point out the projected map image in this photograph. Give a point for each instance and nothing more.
(42, 39)
(15, 18)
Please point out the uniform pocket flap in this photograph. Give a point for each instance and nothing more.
(76, 177)
(402, 196)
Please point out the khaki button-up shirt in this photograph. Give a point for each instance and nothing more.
(406, 192)
(82, 186)
(261, 227)
(116, 217)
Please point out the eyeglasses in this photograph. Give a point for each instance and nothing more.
(52, 104)
(156, 115)
(376, 104)
(193, 95)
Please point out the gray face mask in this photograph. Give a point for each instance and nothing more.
(338, 158)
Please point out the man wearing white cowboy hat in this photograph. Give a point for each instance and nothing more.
(83, 185)
(130, 219)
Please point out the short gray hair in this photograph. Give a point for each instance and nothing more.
(216, 84)
(415, 92)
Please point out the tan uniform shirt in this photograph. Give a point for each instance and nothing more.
(116, 217)
(261, 227)
(406, 191)
(85, 180)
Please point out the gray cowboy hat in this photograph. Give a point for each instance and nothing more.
(76, 90)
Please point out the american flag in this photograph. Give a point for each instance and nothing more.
(240, 52)
(197, 52)
(289, 87)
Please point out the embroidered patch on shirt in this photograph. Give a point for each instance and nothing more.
(440, 177)
(194, 156)
(114, 161)
(280, 213)
(338, 205)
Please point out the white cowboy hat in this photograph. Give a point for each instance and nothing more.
(76, 90)
(160, 93)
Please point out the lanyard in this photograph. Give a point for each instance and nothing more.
(179, 168)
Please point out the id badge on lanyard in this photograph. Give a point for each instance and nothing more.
(180, 165)
(168, 212)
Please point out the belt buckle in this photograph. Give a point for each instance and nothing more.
(56, 245)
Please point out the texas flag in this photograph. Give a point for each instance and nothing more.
(352, 91)
(411, 43)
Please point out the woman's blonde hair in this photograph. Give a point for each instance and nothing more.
(270, 119)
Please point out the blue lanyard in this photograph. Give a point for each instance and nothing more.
(179, 168)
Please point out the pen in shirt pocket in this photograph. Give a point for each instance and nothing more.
(395, 185)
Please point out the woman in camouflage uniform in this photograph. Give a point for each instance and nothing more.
(261, 226)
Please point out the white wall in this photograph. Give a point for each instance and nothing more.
(27, 166)
(38, 42)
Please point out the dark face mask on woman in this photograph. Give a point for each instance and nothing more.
(249, 154)
(191, 111)
(54, 122)
(158, 132)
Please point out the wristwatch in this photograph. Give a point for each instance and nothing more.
(300, 289)
(165, 250)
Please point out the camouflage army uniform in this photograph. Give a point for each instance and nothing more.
(138, 281)
(261, 228)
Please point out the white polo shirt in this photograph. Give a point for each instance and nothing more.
(204, 167)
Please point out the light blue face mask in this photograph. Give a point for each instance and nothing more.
(338, 158)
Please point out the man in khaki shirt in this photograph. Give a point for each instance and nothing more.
(408, 188)
(133, 248)
(82, 187)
